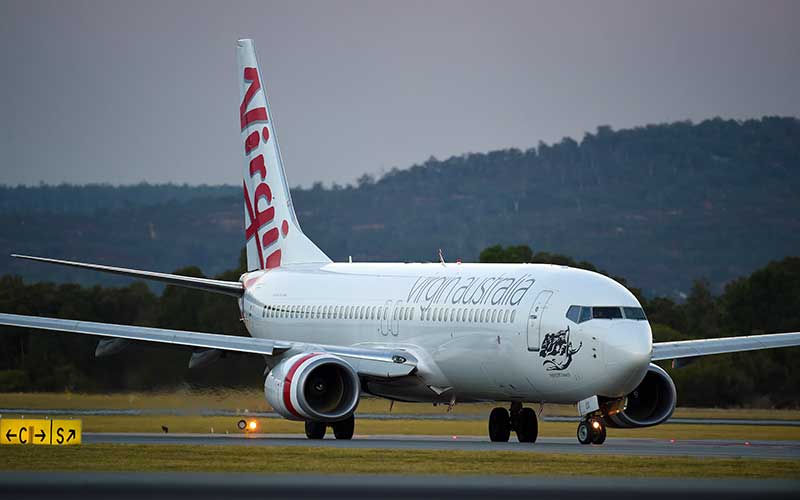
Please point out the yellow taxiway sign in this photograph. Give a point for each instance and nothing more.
(40, 431)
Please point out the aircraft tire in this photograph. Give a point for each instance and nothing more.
(315, 430)
(599, 435)
(345, 428)
(584, 432)
(527, 426)
(499, 425)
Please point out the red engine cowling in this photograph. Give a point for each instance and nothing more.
(313, 386)
(651, 403)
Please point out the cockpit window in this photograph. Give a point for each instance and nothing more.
(574, 313)
(606, 313)
(636, 313)
(579, 314)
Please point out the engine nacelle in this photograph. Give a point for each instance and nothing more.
(651, 403)
(313, 386)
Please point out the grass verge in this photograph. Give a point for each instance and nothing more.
(110, 457)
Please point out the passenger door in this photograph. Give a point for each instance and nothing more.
(535, 319)
(386, 322)
(395, 318)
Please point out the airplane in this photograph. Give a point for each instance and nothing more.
(442, 333)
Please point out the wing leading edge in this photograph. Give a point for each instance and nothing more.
(383, 363)
(706, 347)
(233, 288)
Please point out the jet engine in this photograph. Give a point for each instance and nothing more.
(313, 386)
(651, 403)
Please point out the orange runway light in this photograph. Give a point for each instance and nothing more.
(252, 426)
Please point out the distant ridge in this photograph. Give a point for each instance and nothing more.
(660, 205)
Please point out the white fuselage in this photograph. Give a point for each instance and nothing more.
(479, 331)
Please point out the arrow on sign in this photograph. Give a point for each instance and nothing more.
(9, 435)
(41, 436)
(71, 435)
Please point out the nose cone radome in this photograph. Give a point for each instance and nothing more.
(627, 352)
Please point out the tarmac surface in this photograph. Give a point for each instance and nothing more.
(365, 416)
(196, 486)
(613, 446)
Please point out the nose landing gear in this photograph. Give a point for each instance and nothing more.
(592, 431)
(521, 420)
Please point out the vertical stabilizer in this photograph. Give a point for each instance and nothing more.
(272, 232)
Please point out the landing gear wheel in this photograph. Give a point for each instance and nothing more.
(598, 433)
(315, 430)
(499, 425)
(345, 428)
(584, 432)
(527, 426)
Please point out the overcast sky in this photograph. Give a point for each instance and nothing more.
(124, 92)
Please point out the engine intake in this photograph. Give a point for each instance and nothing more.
(651, 403)
(313, 386)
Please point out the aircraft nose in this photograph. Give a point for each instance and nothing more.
(627, 353)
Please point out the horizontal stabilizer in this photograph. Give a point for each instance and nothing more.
(233, 288)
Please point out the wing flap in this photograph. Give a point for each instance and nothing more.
(707, 347)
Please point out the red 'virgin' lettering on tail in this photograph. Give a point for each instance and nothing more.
(252, 230)
(251, 142)
(270, 237)
(254, 115)
(274, 259)
(258, 218)
(257, 165)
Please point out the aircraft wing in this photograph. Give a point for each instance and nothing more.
(233, 288)
(375, 362)
(706, 347)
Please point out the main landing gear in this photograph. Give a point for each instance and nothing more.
(521, 420)
(342, 429)
(592, 431)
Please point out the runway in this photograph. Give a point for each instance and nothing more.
(196, 486)
(613, 446)
(365, 416)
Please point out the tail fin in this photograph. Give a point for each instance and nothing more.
(272, 232)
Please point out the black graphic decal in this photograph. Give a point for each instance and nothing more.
(557, 350)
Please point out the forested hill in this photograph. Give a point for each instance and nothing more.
(660, 205)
